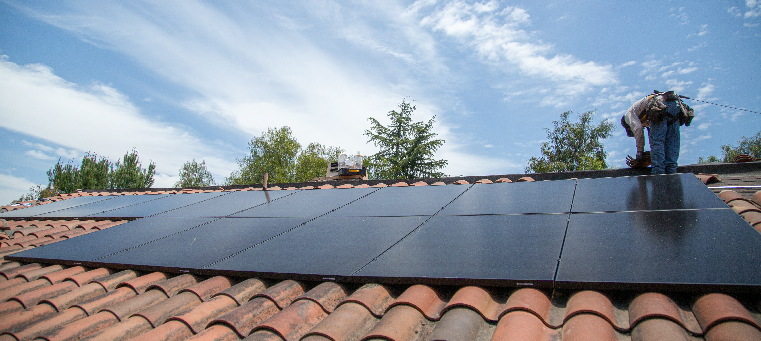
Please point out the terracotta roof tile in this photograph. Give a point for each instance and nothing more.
(477, 299)
(345, 186)
(81, 329)
(111, 281)
(123, 331)
(362, 186)
(659, 329)
(140, 284)
(295, 320)
(379, 185)
(400, 184)
(521, 325)
(243, 291)
(176, 305)
(36, 313)
(460, 182)
(18, 289)
(708, 178)
(712, 309)
(461, 324)
(126, 308)
(656, 305)
(264, 335)
(45, 326)
(171, 330)
(420, 183)
(217, 333)
(350, 321)
(733, 330)
(283, 293)
(422, 298)
(75, 296)
(593, 302)
(12, 272)
(244, 319)
(328, 295)
(484, 181)
(83, 278)
(526, 179)
(757, 198)
(31, 298)
(95, 304)
(532, 301)
(585, 327)
(729, 195)
(209, 287)
(197, 318)
(375, 297)
(401, 323)
(438, 183)
(500, 180)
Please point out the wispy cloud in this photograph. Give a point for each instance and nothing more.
(496, 35)
(113, 124)
(12, 188)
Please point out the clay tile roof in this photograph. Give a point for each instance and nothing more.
(325, 186)
(400, 184)
(461, 182)
(526, 179)
(420, 183)
(75, 302)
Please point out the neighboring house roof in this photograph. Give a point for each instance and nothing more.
(72, 302)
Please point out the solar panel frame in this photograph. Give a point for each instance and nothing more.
(103, 206)
(306, 204)
(228, 204)
(514, 198)
(161, 205)
(401, 202)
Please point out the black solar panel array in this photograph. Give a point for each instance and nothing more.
(657, 232)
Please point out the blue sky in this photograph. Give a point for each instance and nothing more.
(182, 80)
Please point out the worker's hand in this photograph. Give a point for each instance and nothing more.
(641, 161)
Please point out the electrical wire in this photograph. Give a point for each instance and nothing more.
(721, 105)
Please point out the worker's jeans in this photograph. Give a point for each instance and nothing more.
(664, 146)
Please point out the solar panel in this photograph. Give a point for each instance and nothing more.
(53, 207)
(227, 204)
(402, 201)
(206, 244)
(307, 204)
(520, 250)
(514, 198)
(95, 245)
(642, 193)
(660, 250)
(328, 246)
(102, 206)
(157, 206)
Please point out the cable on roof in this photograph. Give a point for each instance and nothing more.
(721, 105)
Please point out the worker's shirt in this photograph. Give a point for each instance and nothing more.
(633, 120)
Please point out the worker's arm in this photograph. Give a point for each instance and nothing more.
(632, 118)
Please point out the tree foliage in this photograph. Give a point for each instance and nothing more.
(37, 192)
(194, 174)
(750, 146)
(99, 173)
(129, 173)
(406, 147)
(572, 146)
(278, 153)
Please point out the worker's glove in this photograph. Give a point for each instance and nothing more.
(641, 161)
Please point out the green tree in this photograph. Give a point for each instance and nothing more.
(91, 174)
(37, 192)
(129, 172)
(194, 174)
(406, 147)
(750, 146)
(278, 153)
(573, 146)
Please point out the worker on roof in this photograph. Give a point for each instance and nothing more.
(662, 113)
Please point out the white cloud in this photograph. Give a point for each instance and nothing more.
(38, 155)
(12, 188)
(488, 145)
(677, 85)
(754, 8)
(703, 30)
(113, 124)
(497, 37)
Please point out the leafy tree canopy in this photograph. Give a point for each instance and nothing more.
(406, 147)
(278, 153)
(194, 174)
(750, 146)
(129, 173)
(573, 146)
